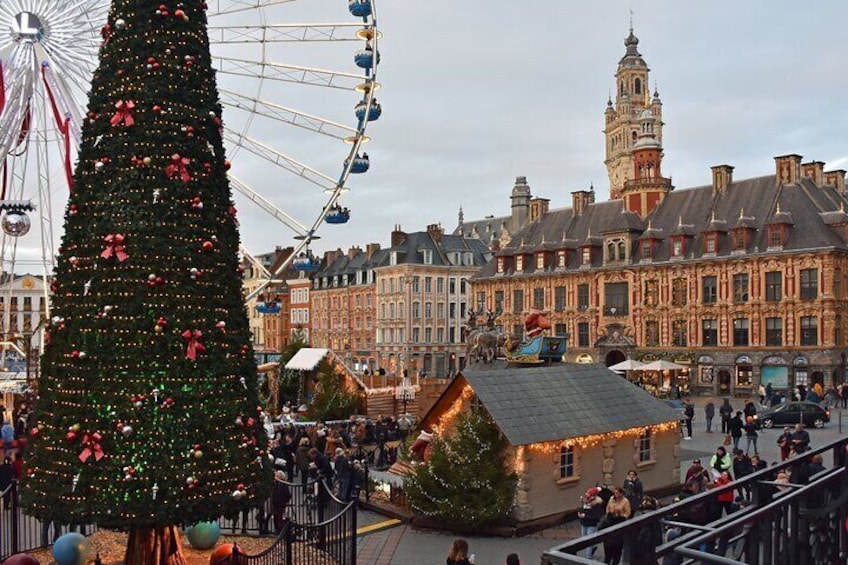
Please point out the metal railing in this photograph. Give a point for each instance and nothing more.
(21, 532)
(786, 524)
(327, 541)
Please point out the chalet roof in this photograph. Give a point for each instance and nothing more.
(563, 401)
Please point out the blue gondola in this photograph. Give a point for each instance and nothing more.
(337, 215)
(359, 8)
(306, 262)
(364, 58)
(374, 112)
(268, 307)
(361, 163)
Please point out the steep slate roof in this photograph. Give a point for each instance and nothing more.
(488, 229)
(409, 250)
(563, 401)
(699, 210)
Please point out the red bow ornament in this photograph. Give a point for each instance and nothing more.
(193, 345)
(178, 167)
(91, 446)
(115, 247)
(124, 113)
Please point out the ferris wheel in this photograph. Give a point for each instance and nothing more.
(297, 97)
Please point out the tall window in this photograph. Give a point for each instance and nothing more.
(561, 259)
(539, 298)
(499, 301)
(809, 330)
(428, 284)
(678, 333)
(416, 335)
(709, 332)
(566, 462)
(559, 298)
(709, 289)
(678, 292)
(739, 240)
(560, 330)
(440, 285)
(519, 263)
(774, 332)
(452, 286)
(583, 334)
(517, 301)
(837, 283)
(481, 301)
(586, 256)
(677, 247)
(740, 332)
(540, 261)
(774, 286)
(652, 292)
(740, 288)
(775, 236)
(646, 248)
(652, 333)
(616, 299)
(428, 335)
(440, 310)
(809, 284)
(582, 296)
(645, 446)
(428, 310)
(416, 284)
(710, 243)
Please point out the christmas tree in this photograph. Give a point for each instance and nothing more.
(465, 484)
(148, 411)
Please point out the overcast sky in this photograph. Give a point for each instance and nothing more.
(476, 93)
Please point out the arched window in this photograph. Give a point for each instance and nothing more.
(637, 86)
(611, 251)
(634, 136)
(621, 87)
(621, 247)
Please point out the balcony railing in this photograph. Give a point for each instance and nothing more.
(804, 523)
(615, 310)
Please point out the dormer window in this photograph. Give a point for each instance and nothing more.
(468, 259)
(393, 259)
(647, 249)
(561, 259)
(739, 240)
(519, 262)
(501, 264)
(428, 256)
(586, 256)
(775, 236)
(677, 247)
(540, 261)
(710, 243)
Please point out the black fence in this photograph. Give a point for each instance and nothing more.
(797, 523)
(20, 532)
(330, 541)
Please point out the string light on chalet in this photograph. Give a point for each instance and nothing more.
(593, 440)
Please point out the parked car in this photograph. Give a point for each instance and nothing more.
(790, 413)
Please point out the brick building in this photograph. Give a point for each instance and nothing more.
(742, 281)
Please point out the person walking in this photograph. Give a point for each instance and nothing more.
(785, 443)
(736, 425)
(689, 412)
(342, 470)
(280, 497)
(750, 434)
(843, 394)
(458, 554)
(7, 475)
(709, 414)
(7, 434)
(590, 513)
(726, 412)
(512, 559)
(633, 491)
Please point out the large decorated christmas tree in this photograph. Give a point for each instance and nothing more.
(148, 410)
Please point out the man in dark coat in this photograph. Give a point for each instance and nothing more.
(689, 412)
(736, 426)
(726, 413)
(280, 497)
(7, 473)
(342, 469)
(742, 466)
(709, 414)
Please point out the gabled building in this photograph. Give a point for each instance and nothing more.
(742, 281)
(423, 300)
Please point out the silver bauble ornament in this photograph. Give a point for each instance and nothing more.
(16, 223)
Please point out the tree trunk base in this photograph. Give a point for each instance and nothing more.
(155, 546)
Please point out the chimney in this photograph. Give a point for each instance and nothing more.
(398, 236)
(788, 168)
(580, 199)
(351, 253)
(836, 179)
(331, 256)
(722, 177)
(371, 249)
(538, 208)
(815, 171)
(436, 232)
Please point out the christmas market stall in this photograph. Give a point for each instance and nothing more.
(567, 427)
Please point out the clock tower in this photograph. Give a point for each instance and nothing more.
(622, 119)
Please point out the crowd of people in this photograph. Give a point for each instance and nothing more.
(459, 555)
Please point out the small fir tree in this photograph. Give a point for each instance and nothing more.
(465, 484)
(148, 413)
(333, 400)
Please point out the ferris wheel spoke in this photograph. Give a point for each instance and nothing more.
(288, 73)
(254, 196)
(282, 114)
(281, 160)
(282, 33)
(225, 7)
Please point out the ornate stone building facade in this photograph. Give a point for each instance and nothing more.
(743, 282)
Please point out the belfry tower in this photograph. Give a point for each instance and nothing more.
(622, 119)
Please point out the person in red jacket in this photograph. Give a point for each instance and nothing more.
(725, 499)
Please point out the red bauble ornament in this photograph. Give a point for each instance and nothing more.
(221, 552)
(208, 245)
